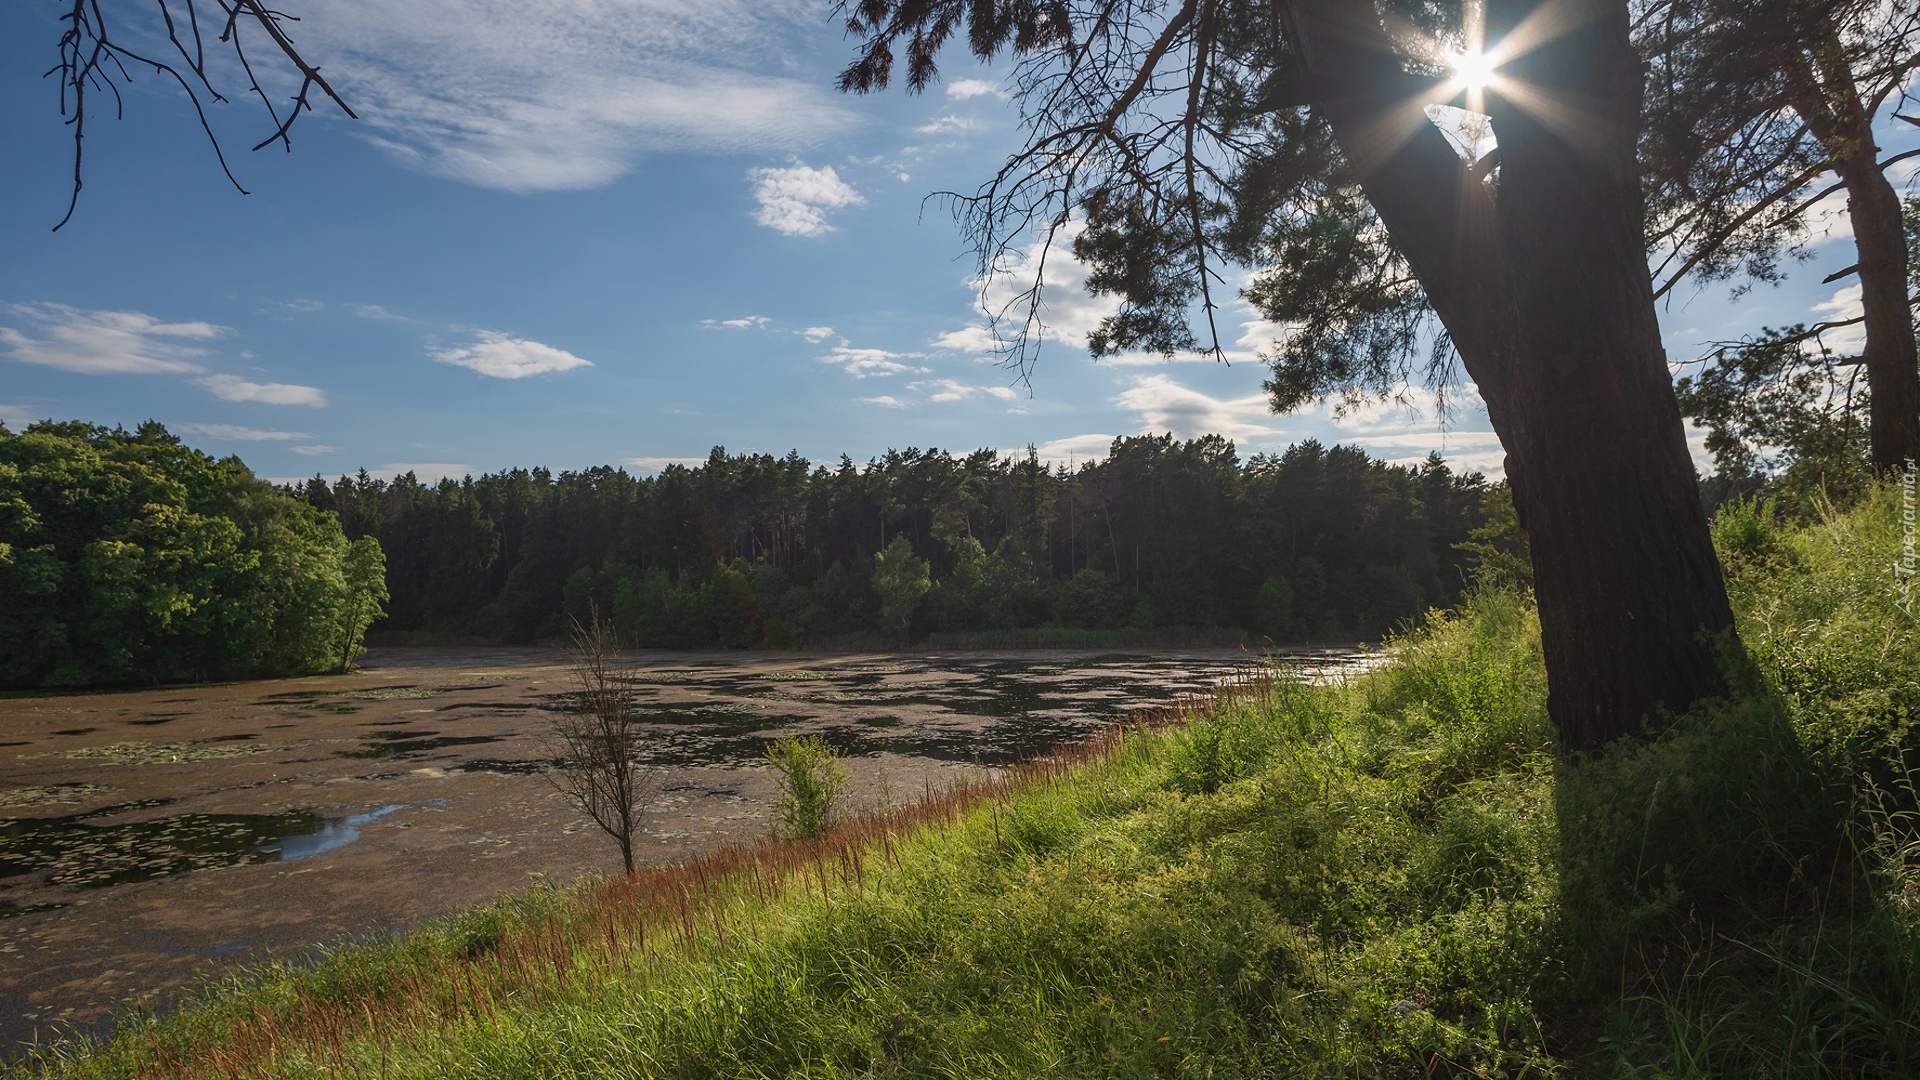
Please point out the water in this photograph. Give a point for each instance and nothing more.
(72, 850)
(990, 711)
(336, 832)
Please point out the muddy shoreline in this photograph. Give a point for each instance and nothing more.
(153, 837)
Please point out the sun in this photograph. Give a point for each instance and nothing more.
(1474, 70)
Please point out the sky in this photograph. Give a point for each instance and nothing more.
(598, 232)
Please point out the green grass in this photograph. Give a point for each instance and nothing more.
(1395, 876)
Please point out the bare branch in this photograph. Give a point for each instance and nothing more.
(90, 57)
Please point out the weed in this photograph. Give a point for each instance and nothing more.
(810, 780)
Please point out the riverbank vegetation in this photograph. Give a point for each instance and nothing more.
(1160, 542)
(127, 556)
(1397, 875)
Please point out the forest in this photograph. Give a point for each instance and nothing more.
(1315, 543)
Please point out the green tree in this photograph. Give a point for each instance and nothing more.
(364, 577)
(129, 556)
(1498, 547)
(900, 578)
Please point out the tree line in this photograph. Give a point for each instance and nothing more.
(127, 556)
(1322, 543)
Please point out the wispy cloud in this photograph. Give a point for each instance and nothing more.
(18, 416)
(887, 401)
(1075, 448)
(427, 472)
(954, 390)
(867, 363)
(235, 388)
(655, 464)
(962, 89)
(105, 342)
(1165, 405)
(816, 334)
(1844, 304)
(1070, 313)
(567, 94)
(236, 433)
(795, 200)
(375, 311)
(505, 357)
(315, 450)
(947, 123)
(749, 322)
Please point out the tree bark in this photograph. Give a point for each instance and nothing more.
(1545, 291)
(1625, 574)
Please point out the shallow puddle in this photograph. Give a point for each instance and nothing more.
(333, 833)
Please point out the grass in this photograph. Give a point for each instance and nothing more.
(1391, 876)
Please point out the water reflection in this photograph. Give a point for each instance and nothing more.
(336, 832)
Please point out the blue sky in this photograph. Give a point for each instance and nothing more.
(577, 233)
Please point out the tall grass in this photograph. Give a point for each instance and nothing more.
(1394, 875)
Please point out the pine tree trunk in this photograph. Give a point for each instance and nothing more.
(1822, 89)
(1546, 293)
(1892, 375)
(1628, 585)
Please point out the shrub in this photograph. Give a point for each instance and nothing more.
(810, 781)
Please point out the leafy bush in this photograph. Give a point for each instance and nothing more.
(810, 780)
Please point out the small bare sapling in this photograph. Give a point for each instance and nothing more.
(595, 742)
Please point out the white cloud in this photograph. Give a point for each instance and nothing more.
(795, 200)
(427, 472)
(314, 450)
(1165, 405)
(304, 306)
(1844, 304)
(962, 89)
(749, 322)
(885, 400)
(954, 390)
(1070, 312)
(106, 342)
(1697, 448)
(1076, 448)
(504, 357)
(234, 388)
(567, 94)
(864, 363)
(19, 417)
(375, 311)
(237, 433)
(655, 464)
(1829, 217)
(949, 122)
(816, 334)
(974, 339)
(1408, 425)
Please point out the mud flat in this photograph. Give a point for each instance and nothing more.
(150, 837)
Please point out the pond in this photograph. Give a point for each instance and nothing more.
(148, 835)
